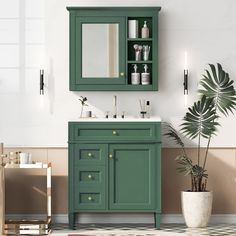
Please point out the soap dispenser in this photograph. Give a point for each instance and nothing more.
(135, 76)
(145, 31)
(145, 77)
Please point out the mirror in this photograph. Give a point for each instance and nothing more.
(100, 50)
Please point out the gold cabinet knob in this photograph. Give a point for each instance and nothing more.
(114, 132)
(90, 198)
(90, 176)
(122, 73)
(110, 156)
(89, 154)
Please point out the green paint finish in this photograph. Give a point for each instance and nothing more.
(132, 176)
(91, 176)
(90, 200)
(88, 177)
(85, 131)
(119, 15)
(157, 220)
(118, 172)
(89, 154)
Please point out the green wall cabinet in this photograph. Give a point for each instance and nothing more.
(114, 167)
(101, 53)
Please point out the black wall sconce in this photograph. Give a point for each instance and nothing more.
(185, 74)
(41, 85)
(185, 81)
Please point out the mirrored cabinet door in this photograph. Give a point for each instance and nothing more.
(100, 57)
(99, 50)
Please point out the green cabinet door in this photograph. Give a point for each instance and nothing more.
(132, 176)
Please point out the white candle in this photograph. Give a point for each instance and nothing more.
(185, 61)
(186, 100)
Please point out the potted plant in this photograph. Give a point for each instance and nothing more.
(217, 97)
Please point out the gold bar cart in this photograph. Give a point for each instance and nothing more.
(32, 226)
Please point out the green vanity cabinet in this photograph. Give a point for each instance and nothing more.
(102, 55)
(114, 167)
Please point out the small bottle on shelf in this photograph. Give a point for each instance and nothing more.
(135, 76)
(145, 31)
(145, 76)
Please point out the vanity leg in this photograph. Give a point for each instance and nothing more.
(72, 221)
(157, 219)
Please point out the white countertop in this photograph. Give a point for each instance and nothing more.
(127, 119)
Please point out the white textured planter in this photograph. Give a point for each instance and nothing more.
(196, 208)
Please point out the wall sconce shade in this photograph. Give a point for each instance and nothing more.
(41, 82)
(185, 81)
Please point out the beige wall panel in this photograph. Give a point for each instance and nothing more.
(221, 170)
(222, 174)
(172, 183)
(59, 160)
(59, 195)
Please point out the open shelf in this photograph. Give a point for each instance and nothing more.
(139, 62)
(131, 53)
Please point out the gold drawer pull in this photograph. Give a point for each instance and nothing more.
(114, 132)
(90, 198)
(110, 156)
(90, 176)
(89, 154)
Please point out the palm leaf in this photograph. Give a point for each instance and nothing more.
(217, 85)
(200, 119)
(187, 168)
(199, 172)
(172, 133)
(185, 163)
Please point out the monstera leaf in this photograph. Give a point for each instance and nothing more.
(218, 86)
(201, 119)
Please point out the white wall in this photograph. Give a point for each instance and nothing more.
(205, 29)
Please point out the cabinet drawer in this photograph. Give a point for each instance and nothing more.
(90, 176)
(90, 200)
(129, 131)
(89, 154)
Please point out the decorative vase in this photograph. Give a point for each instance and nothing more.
(196, 208)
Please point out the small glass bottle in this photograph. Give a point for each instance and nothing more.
(148, 109)
(145, 31)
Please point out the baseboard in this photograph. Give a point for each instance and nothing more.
(126, 218)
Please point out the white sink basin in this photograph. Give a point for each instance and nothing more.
(127, 119)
